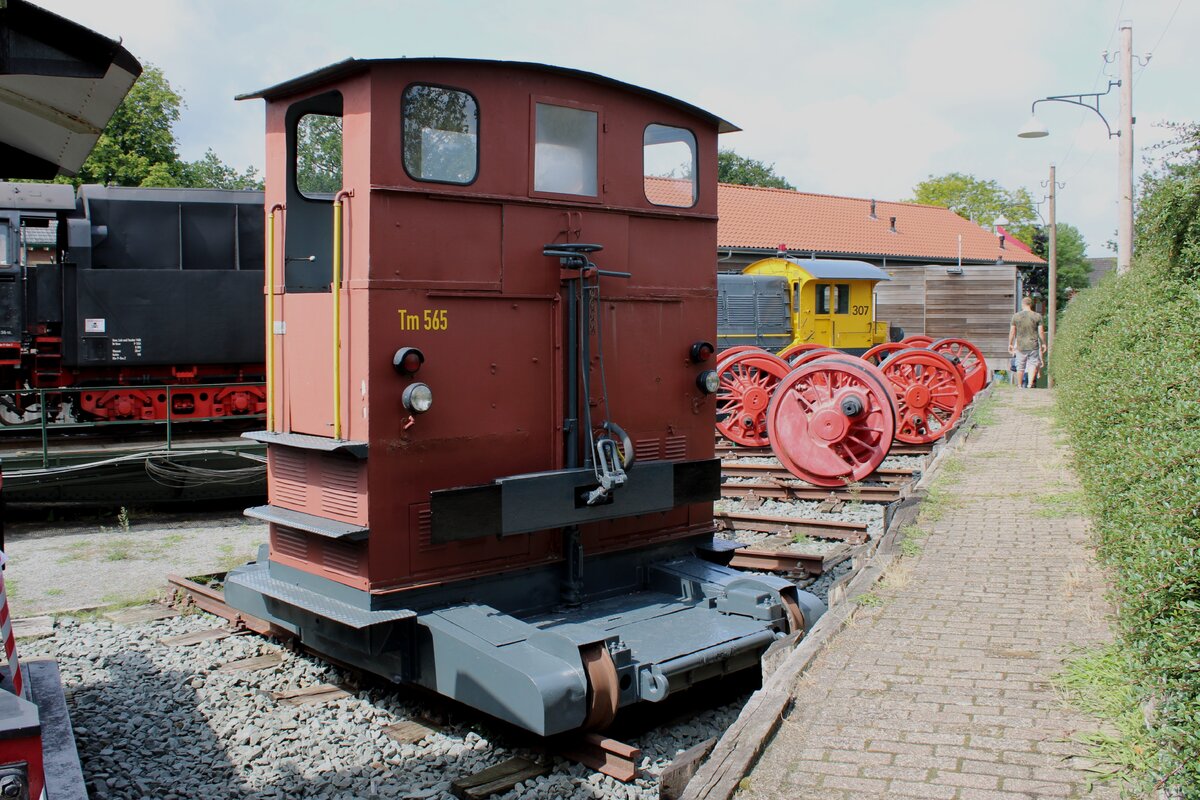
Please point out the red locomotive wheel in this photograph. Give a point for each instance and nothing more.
(831, 422)
(730, 352)
(604, 691)
(879, 353)
(917, 340)
(930, 395)
(812, 355)
(974, 366)
(747, 380)
(794, 351)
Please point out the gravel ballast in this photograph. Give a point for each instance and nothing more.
(154, 721)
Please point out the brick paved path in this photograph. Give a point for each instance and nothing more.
(941, 691)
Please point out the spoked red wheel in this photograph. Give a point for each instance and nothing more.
(747, 380)
(930, 395)
(971, 361)
(794, 351)
(812, 355)
(831, 421)
(879, 353)
(917, 340)
(730, 352)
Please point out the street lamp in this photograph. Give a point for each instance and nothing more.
(1036, 129)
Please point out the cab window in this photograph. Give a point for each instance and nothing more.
(3, 242)
(842, 294)
(823, 292)
(319, 155)
(669, 166)
(565, 150)
(441, 134)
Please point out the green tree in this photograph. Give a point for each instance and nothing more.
(140, 137)
(211, 172)
(981, 201)
(1168, 217)
(732, 168)
(139, 147)
(1074, 270)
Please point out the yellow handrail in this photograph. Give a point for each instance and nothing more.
(270, 293)
(335, 289)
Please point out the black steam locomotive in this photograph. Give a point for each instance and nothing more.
(124, 304)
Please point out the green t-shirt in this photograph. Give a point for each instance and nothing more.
(1027, 322)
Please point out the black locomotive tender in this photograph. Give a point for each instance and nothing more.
(143, 288)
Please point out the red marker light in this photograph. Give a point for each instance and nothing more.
(701, 351)
(408, 360)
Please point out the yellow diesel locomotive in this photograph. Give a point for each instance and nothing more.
(781, 301)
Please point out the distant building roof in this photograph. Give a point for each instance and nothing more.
(1100, 268)
(760, 219)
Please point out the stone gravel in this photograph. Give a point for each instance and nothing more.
(154, 721)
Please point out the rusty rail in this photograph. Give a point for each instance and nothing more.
(788, 560)
(852, 532)
(206, 598)
(864, 494)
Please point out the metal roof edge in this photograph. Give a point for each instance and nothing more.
(352, 66)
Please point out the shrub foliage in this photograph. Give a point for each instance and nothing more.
(1127, 362)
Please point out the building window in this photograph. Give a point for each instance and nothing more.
(669, 166)
(319, 156)
(565, 150)
(823, 291)
(843, 298)
(441, 134)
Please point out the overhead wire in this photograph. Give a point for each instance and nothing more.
(1083, 117)
(1150, 53)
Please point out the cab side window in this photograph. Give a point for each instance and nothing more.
(669, 166)
(319, 156)
(824, 290)
(843, 298)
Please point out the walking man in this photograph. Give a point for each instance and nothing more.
(1027, 341)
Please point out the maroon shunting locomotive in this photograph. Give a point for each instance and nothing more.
(490, 423)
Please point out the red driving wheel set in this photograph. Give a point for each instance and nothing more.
(830, 418)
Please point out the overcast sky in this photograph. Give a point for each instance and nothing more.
(858, 98)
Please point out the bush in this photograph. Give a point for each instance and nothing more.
(1127, 362)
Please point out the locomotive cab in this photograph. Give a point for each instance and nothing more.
(489, 430)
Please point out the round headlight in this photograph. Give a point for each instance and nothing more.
(417, 398)
(709, 381)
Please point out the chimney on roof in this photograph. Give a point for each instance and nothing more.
(892, 224)
(873, 209)
(1002, 241)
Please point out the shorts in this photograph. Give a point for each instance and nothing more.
(1028, 360)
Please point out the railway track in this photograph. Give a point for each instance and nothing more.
(798, 544)
(605, 755)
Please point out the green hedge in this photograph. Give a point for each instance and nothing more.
(1127, 363)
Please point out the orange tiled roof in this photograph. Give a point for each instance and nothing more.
(758, 218)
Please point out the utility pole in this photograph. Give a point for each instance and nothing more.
(1052, 311)
(1125, 168)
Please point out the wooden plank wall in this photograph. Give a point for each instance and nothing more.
(901, 301)
(977, 305)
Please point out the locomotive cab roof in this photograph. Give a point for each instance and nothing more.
(353, 66)
(819, 269)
